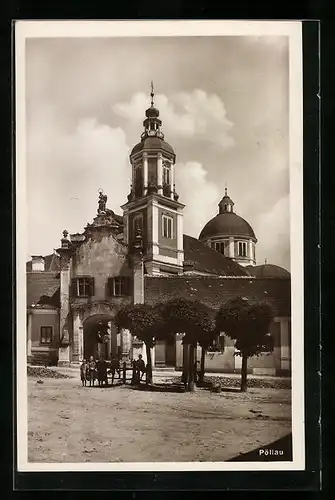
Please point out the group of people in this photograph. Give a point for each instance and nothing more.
(93, 370)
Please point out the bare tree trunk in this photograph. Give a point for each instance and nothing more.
(191, 368)
(244, 372)
(202, 365)
(149, 364)
(186, 371)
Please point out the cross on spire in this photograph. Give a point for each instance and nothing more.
(152, 93)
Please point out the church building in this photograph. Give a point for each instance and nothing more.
(143, 256)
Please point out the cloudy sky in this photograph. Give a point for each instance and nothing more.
(224, 106)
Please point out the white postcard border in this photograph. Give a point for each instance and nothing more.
(100, 29)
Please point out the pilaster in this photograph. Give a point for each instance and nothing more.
(125, 345)
(145, 174)
(250, 252)
(29, 331)
(160, 173)
(172, 181)
(64, 335)
(78, 338)
(231, 247)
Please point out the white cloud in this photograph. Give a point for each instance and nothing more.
(64, 178)
(272, 229)
(196, 115)
(198, 194)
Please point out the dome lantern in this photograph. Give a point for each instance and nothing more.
(152, 124)
(226, 204)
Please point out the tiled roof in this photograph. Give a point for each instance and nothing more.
(51, 263)
(204, 259)
(215, 291)
(44, 287)
(268, 271)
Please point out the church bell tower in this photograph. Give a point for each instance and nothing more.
(153, 207)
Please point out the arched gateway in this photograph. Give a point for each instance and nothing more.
(95, 333)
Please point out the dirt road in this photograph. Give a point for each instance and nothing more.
(68, 423)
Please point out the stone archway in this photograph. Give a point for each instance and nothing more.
(94, 343)
(85, 324)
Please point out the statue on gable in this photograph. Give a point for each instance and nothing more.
(65, 240)
(102, 202)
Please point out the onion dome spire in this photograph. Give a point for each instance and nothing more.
(152, 124)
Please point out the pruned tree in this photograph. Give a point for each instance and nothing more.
(193, 319)
(247, 322)
(144, 321)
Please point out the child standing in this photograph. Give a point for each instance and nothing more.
(102, 371)
(83, 372)
(92, 370)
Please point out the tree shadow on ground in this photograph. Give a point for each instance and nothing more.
(158, 388)
(108, 386)
(230, 389)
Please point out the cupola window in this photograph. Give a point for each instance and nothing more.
(166, 174)
(222, 247)
(138, 179)
(242, 248)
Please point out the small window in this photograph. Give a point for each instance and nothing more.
(218, 246)
(166, 174)
(83, 287)
(242, 248)
(46, 335)
(167, 226)
(138, 179)
(119, 286)
(222, 247)
(138, 222)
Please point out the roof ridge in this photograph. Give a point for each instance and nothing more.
(194, 276)
(43, 273)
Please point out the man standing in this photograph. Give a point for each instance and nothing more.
(102, 371)
(140, 365)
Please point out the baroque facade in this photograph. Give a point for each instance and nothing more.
(143, 256)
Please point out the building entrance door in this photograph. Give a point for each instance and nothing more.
(99, 337)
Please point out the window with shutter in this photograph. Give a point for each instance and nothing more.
(119, 286)
(82, 286)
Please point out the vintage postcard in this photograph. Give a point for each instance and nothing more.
(159, 245)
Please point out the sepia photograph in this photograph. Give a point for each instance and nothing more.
(159, 245)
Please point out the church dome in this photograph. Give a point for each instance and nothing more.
(153, 142)
(268, 271)
(227, 224)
